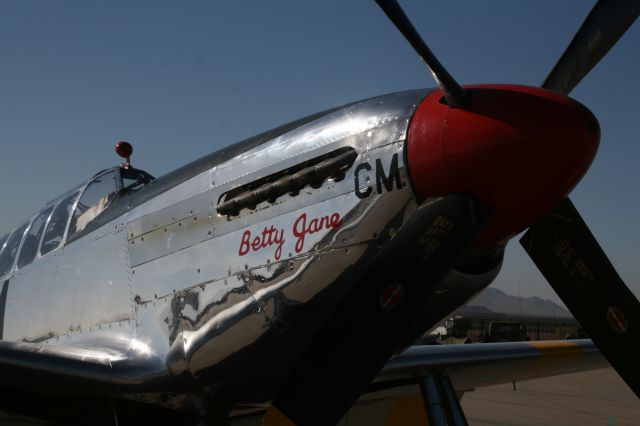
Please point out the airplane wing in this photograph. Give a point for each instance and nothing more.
(397, 395)
(80, 370)
(475, 365)
(108, 372)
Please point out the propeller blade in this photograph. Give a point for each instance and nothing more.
(371, 322)
(452, 91)
(605, 24)
(569, 257)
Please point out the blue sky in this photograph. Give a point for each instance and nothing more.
(182, 79)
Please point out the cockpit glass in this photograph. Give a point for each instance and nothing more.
(57, 225)
(8, 255)
(32, 239)
(134, 179)
(95, 199)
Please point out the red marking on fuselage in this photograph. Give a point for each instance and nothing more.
(301, 229)
(272, 236)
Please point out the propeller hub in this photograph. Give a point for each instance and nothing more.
(520, 149)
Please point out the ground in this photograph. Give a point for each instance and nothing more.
(596, 397)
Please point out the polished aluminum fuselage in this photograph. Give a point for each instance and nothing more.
(219, 298)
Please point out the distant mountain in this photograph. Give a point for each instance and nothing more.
(500, 302)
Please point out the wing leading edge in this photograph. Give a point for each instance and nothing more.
(437, 376)
(68, 371)
(82, 370)
(476, 365)
(394, 397)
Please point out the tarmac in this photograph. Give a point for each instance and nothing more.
(596, 397)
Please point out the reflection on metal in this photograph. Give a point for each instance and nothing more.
(220, 299)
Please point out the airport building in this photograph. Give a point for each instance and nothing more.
(482, 325)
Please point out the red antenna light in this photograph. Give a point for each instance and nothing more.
(124, 150)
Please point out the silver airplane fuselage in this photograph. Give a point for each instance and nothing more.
(231, 300)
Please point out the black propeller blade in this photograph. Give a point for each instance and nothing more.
(561, 244)
(606, 23)
(569, 257)
(371, 322)
(452, 91)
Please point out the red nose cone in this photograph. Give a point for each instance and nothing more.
(519, 149)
